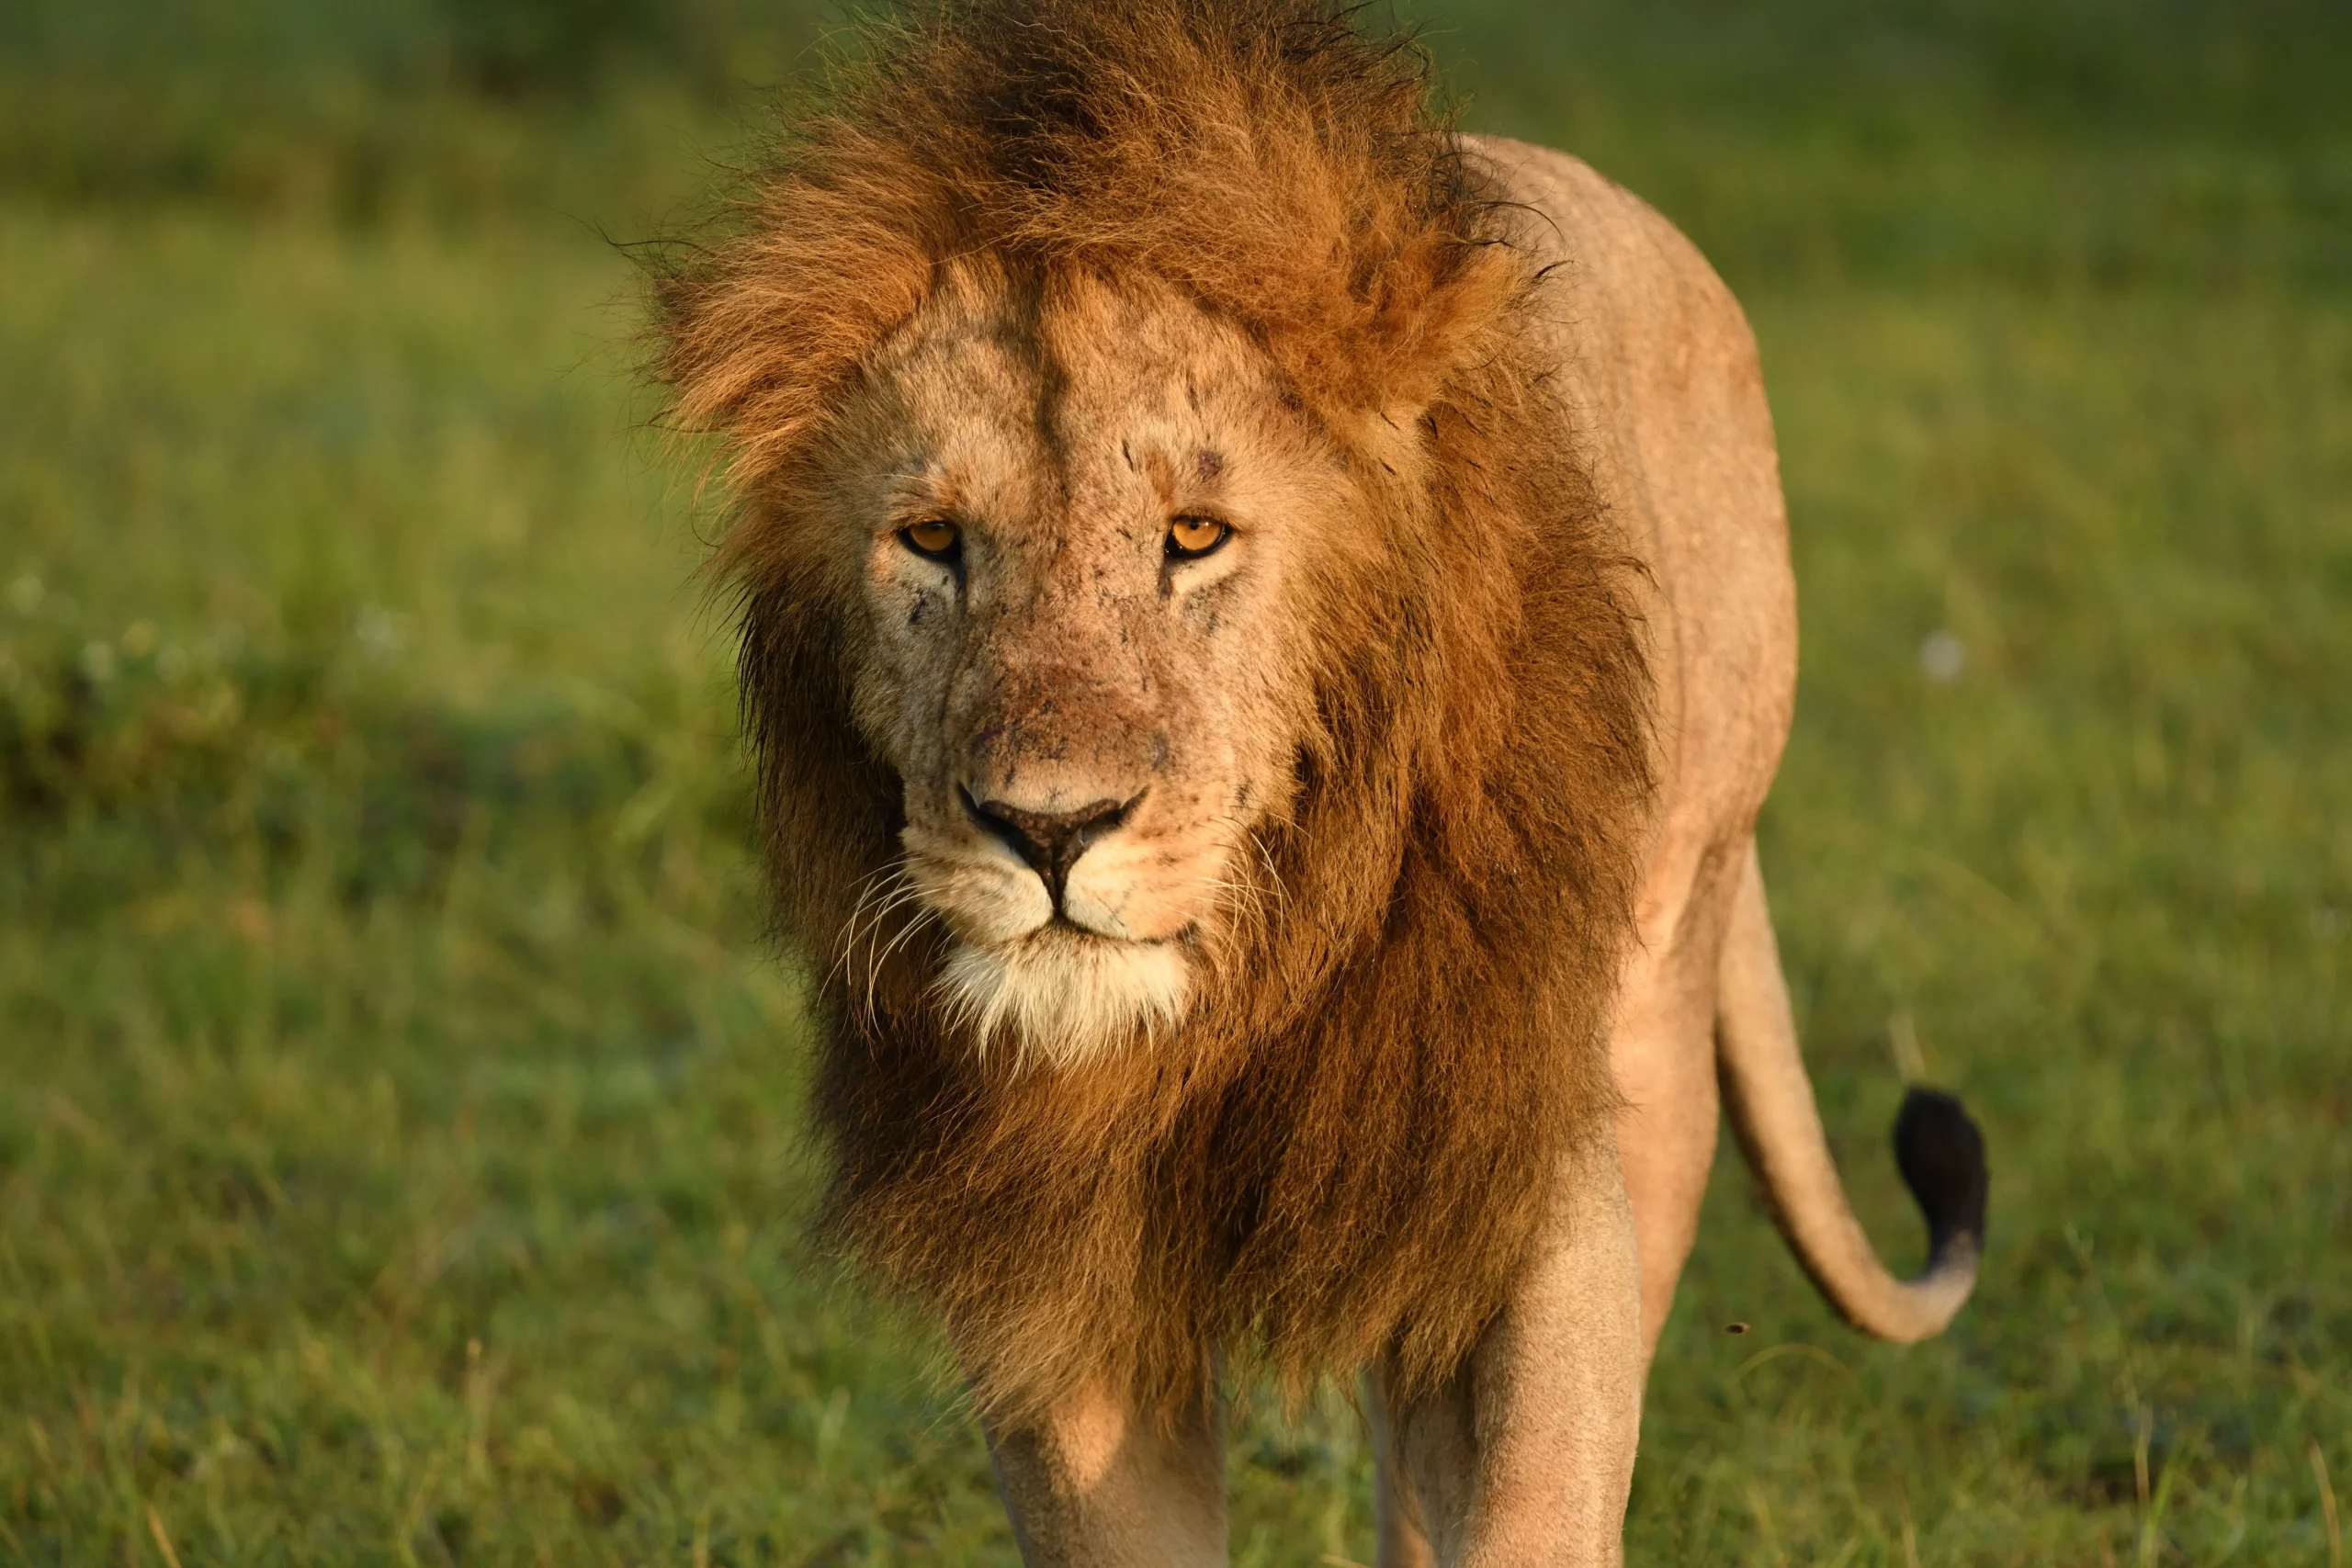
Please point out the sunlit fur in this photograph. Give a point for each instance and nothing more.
(1323, 1014)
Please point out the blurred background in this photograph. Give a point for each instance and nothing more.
(399, 1155)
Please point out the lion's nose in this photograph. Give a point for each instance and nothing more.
(1050, 842)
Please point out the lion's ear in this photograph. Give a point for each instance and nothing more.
(760, 331)
(1442, 309)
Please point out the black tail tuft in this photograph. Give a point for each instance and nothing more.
(1942, 1156)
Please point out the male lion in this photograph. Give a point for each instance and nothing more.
(1266, 624)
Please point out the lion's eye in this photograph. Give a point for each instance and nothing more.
(1189, 539)
(935, 538)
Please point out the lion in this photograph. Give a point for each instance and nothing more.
(1266, 624)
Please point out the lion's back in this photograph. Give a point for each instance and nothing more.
(1667, 400)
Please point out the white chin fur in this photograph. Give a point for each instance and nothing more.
(1064, 996)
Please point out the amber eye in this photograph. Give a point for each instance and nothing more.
(935, 538)
(1189, 539)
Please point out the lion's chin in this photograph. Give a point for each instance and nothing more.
(1062, 996)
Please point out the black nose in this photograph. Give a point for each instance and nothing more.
(1050, 842)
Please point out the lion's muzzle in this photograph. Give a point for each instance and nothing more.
(1050, 842)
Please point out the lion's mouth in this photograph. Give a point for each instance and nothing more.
(1061, 926)
(987, 902)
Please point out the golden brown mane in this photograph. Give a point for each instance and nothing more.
(1341, 1151)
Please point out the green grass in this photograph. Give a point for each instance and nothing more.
(401, 1145)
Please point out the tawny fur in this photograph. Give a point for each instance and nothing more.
(1340, 1150)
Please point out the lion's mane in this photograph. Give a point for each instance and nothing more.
(1343, 1151)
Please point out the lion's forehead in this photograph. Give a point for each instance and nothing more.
(1098, 385)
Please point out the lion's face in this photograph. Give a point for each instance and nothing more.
(1079, 517)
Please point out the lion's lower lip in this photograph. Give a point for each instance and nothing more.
(1062, 926)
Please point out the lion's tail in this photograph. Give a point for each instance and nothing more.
(1937, 1146)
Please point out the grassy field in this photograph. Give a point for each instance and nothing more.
(401, 1153)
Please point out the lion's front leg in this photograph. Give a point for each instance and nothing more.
(1095, 1482)
(1526, 1455)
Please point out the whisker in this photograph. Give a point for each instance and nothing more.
(923, 917)
(906, 934)
(848, 941)
(878, 955)
(887, 884)
(1273, 872)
